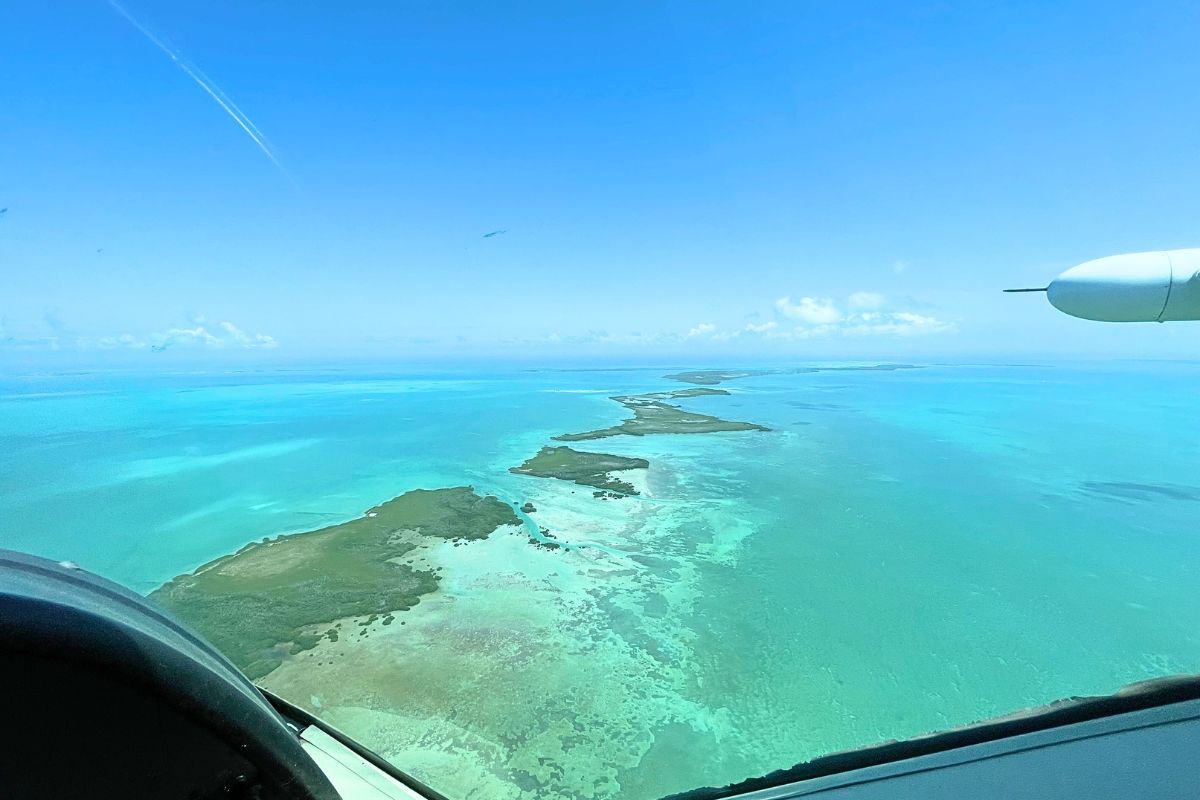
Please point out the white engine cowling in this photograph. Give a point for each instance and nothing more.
(1159, 286)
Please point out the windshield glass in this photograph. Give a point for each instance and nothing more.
(608, 400)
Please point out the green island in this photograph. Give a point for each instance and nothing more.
(653, 413)
(699, 391)
(585, 469)
(268, 599)
(711, 377)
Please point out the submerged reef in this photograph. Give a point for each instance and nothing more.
(1124, 490)
(585, 469)
(266, 600)
(653, 413)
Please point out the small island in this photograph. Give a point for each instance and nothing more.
(711, 377)
(856, 368)
(279, 596)
(585, 469)
(699, 391)
(653, 413)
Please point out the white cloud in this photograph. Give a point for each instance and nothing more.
(812, 310)
(868, 315)
(900, 266)
(867, 300)
(899, 323)
(183, 336)
(877, 323)
(226, 335)
(820, 317)
(751, 328)
(241, 338)
(596, 337)
(110, 342)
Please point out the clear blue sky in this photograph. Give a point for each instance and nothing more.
(669, 174)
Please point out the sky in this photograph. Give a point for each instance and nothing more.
(675, 181)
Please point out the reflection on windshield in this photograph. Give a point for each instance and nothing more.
(632, 583)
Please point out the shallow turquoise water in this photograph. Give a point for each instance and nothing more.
(904, 551)
(140, 479)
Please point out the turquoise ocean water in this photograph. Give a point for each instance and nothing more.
(904, 551)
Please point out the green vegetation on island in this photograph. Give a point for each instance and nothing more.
(547, 542)
(699, 391)
(711, 377)
(585, 469)
(652, 413)
(267, 599)
(859, 368)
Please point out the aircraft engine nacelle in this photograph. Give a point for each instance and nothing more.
(1160, 286)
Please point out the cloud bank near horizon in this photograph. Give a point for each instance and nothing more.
(864, 314)
(860, 315)
(225, 335)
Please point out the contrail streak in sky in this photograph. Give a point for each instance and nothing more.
(206, 84)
